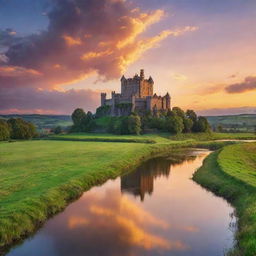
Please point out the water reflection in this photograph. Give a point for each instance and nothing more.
(179, 218)
(141, 181)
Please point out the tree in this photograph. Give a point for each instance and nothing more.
(134, 124)
(179, 112)
(57, 130)
(4, 130)
(191, 114)
(188, 124)
(219, 128)
(202, 125)
(174, 124)
(20, 129)
(103, 111)
(78, 116)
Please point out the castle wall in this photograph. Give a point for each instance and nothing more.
(130, 87)
(146, 89)
(157, 101)
(140, 104)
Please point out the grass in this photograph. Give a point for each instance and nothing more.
(40, 177)
(214, 136)
(229, 173)
(153, 138)
(239, 161)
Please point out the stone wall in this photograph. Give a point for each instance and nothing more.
(146, 89)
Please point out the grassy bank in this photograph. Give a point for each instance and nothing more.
(153, 138)
(39, 178)
(231, 173)
(214, 136)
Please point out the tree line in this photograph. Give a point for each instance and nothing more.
(174, 121)
(177, 121)
(16, 128)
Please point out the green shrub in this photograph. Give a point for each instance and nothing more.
(4, 130)
(21, 129)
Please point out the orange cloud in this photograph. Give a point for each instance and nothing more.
(137, 25)
(92, 55)
(121, 39)
(71, 41)
(15, 71)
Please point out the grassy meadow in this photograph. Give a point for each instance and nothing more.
(231, 173)
(40, 177)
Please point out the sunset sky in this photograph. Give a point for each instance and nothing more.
(56, 55)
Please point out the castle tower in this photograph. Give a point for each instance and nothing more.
(142, 76)
(168, 101)
(113, 105)
(103, 98)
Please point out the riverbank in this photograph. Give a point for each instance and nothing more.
(39, 178)
(230, 173)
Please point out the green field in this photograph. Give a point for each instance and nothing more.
(39, 177)
(243, 122)
(231, 173)
(44, 121)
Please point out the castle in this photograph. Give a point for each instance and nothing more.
(137, 94)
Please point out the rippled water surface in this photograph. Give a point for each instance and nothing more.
(155, 210)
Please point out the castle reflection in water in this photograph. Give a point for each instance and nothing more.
(141, 181)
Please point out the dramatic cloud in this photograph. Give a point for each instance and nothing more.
(29, 100)
(248, 84)
(83, 37)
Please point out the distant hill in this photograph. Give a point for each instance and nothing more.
(243, 122)
(44, 121)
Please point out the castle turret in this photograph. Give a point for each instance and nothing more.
(122, 78)
(113, 105)
(142, 76)
(168, 101)
(150, 80)
(103, 98)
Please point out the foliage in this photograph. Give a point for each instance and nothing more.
(201, 125)
(174, 124)
(57, 130)
(21, 129)
(4, 130)
(78, 117)
(103, 111)
(133, 124)
(82, 122)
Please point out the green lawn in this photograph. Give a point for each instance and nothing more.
(231, 173)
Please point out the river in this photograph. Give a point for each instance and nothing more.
(155, 210)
